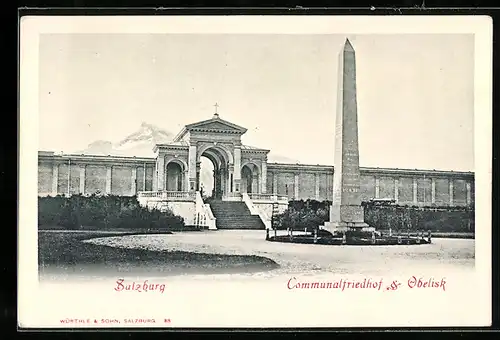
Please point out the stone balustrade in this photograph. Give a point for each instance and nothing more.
(232, 196)
(267, 197)
(168, 195)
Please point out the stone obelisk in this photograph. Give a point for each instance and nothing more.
(346, 212)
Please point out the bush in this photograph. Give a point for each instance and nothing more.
(403, 217)
(103, 212)
(302, 214)
(311, 214)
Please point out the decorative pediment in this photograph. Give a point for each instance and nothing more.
(216, 124)
(212, 125)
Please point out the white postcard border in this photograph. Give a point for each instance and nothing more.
(43, 307)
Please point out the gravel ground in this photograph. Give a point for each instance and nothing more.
(442, 256)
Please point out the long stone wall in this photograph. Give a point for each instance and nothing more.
(300, 181)
(405, 186)
(123, 176)
(128, 175)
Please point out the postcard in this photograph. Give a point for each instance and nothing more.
(254, 171)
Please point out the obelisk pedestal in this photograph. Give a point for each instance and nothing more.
(346, 212)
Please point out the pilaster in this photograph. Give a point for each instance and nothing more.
(237, 168)
(433, 191)
(82, 179)
(108, 179)
(160, 172)
(133, 179)
(275, 183)
(415, 191)
(316, 186)
(263, 178)
(377, 187)
(192, 157)
(154, 182)
(396, 190)
(296, 187)
(450, 190)
(469, 196)
(55, 178)
(144, 178)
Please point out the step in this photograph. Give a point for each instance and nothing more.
(235, 215)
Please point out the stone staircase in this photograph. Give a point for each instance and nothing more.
(234, 215)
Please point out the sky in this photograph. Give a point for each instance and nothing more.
(415, 93)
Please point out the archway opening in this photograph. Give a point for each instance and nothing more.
(250, 178)
(206, 177)
(174, 177)
(213, 163)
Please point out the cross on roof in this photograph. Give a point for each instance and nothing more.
(216, 106)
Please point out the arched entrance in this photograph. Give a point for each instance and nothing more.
(220, 182)
(250, 178)
(206, 176)
(174, 173)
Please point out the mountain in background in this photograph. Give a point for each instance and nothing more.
(147, 136)
(141, 143)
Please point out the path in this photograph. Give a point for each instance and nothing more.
(442, 256)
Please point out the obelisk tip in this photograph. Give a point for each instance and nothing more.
(348, 46)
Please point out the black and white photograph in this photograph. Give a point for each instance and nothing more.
(239, 171)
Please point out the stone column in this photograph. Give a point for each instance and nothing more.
(450, 189)
(225, 173)
(185, 180)
(415, 191)
(108, 179)
(255, 183)
(55, 178)
(144, 178)
(296, 187)
(230, 179)
(396, 190)
(224, 181)
(198, 170)
(275, 183)
(237, 168)
(263, 177)
(133, 179)
(82, 179)
(161, 172)
(316, 186)
(214, 176)
(469, 196)
(154, 183)
(433, 191)
(192, 167)
(377, 187)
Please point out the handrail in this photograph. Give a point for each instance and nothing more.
(209, 211)
(256, 211)
(204, 214)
